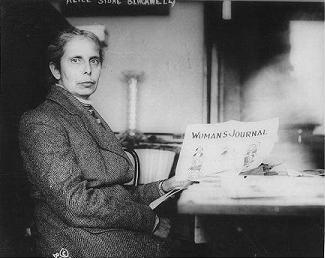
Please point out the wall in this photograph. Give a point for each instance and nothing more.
(271, 65)
(170, 51)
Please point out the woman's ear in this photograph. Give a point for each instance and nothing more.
(55, 72)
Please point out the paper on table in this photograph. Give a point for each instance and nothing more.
(269, 187)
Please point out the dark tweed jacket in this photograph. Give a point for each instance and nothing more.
(77, 170)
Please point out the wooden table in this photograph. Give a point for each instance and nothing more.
(274, 198)
(255, 195)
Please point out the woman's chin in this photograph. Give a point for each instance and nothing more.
(85, 93)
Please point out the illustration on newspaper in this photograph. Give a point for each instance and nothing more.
(225, 148)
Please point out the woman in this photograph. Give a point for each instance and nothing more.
(77, 167)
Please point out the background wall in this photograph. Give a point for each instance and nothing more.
(270, 57)
(170, 51)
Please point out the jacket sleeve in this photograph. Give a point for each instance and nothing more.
(147, 193)
(53, 169)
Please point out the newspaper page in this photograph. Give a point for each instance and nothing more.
(225, 149)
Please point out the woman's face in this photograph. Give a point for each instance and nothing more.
(80, 67)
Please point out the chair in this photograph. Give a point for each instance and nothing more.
(136, 163)
(158, 162)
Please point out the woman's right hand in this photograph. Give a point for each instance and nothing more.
(173, 183)
(163, 228)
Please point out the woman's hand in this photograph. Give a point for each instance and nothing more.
(172, 183)
(163, 228)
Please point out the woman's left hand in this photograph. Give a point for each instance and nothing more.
(171, 184)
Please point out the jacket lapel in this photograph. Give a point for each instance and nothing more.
(104, 137)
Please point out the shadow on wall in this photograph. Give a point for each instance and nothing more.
(26, 28)
(291, 87)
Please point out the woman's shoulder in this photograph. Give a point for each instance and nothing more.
(45, 113)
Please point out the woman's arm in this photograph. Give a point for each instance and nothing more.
(149, 192)
(53, 168)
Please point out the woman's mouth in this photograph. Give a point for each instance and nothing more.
(87, 83)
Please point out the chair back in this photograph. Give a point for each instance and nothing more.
(133, 156)
(156, 163)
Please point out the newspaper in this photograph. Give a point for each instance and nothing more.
(225, 149)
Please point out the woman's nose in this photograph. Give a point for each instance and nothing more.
(87, 68)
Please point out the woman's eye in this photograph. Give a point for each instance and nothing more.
(75, 60)
(94, 61)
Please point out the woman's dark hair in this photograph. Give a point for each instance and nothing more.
(55, 49)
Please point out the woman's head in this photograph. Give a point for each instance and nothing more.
(75, 59)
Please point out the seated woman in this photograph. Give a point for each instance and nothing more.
(78, 168)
